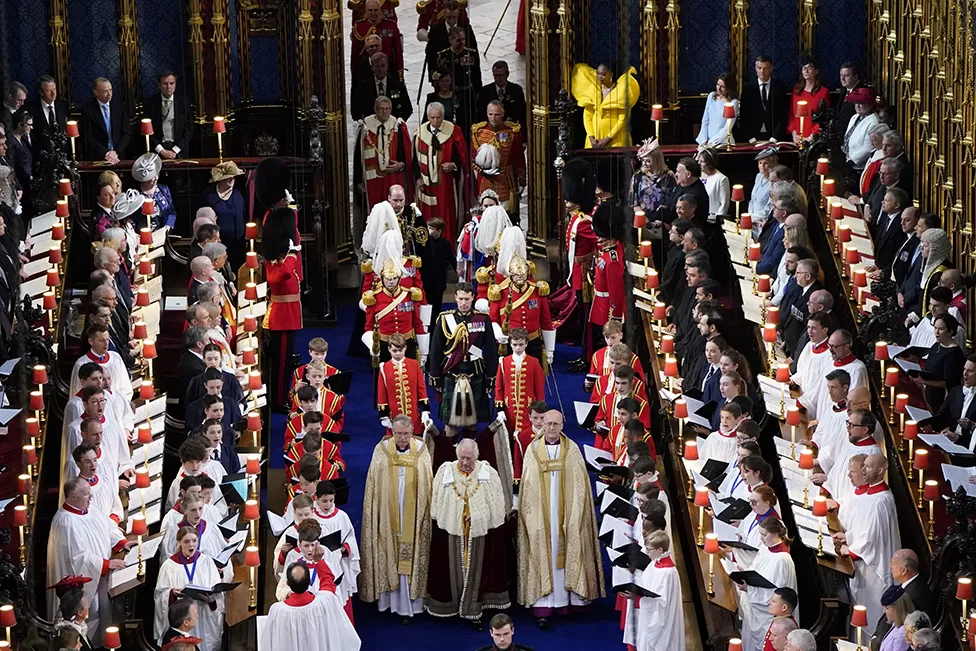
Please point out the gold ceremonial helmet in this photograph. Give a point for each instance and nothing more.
(518, 265)
(390, 270)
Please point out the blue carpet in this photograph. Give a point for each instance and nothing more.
(598, 629)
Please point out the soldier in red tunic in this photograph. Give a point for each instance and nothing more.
(401, 387)
(609, 291)
(382, 219)
(374, 23)
(579, 192)
(519, 383)
(430, 13)
(518, 302)
(393, 309)
(496, 148)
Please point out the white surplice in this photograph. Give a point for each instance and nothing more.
(105, 496)
(830, 435)
(661, 620)
(332, 559)
(838, 484)
(719, 446)
(859, 378)
(112, 364)
(176, 576)
(777, 568)
(338, 520)
(318, 625)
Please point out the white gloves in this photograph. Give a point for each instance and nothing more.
(549, 356)
(425, 418)
(294, 247)
(368, 340)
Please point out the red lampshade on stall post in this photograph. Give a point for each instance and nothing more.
(728, 114)
(145, 267)
(254, 382)
(964, 592)
(54, 255)
(251, 292)
(8, 618)
(145, 234)
(652, 281)
(667, 344)
(901, 404)
(250, 324)
(253, 421)
(670, 371)
(859, 619)
(37, 404)
(140, 330)
(21, 519)
(220, 128)
(640, 220)
(144, 435)
(763, 283)
(146, 391)
(148, 208)
(701, 501)
(823, 167)
(738, 193)
(251, 514)
(921, 464)
(772, 315)
(745, 221)
(645, 250)
(252, 560)
(802, 112)
(248, 356)
(711, 548)
(57, 231)
(892, 378)
(64, 187)
(931, 495)
(755, 255)
(40, 374)
(139, 529)
(881, 354)
(820, 512)
(71, 130)
(657, 114)
(909, 433)
(735, 644)
(61, 206)
(783, 377)
(860, 283)
(142, 298)
(829, 188)
(851, 256)
(253, 466)
(33, 429)
(806, 465)
(251, 233)
(680, 408)
(793, 420)
(149, 354)
(251, 261)
(691, 454)
(113, 639)
(53, 278)
(146, 129)
(769, 338)
(142, 478)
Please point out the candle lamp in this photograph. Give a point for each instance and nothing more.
(252, 559)
(763, 285)
(37, 405)
(64, 189)
(964, 593)
(145, 437)
(220, 128)
(806, 465)
(33, 431)
(146, 128)
(57, 230)
(820, 512)
(881, 354)
(145, 234)
(931, 495)
(251, 514)
(843, 236)
(112, 638)
(20, 521)
(659, 313)
(140, 330)
(670, 371)
(823, 168)
(851, 256)
(859, 283)
(253, 469)
(149, 354)
(142, 297)
(50, 305)
(251, 260)
(250, 323)
(793, 419)
(783, 377)
(859, 619)
(802, 112)
(54, 255)
(910, 433)
(248, 356)
(254, 425)
(901, 404)
(652, 281)
(24, 485)
(146, 393)
(53, 279)
(738, 196)
(139, 529)
(8, 618)
(755, 255)
(891, 380)
(691, 454)
(640, 220)
(735, 644)
(829, 188)
(745, 228)
(711, 548)
(251, 233)
(701, 501)
(667, 344)
(142, 483)
(728, 113)
(657, 114)
(40, 376)
(921, 463)
(769, 337)
(254, 385)
(146, 267)
(836, 209)
(772, 316)
(680, 413)
(71, 130)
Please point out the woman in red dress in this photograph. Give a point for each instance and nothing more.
(809, 89)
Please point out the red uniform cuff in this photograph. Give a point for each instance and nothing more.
(119, 546)
(104, 566)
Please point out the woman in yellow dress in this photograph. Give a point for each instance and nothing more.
(606, 104)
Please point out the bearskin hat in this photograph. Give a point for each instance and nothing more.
(609, 220)
(579, 186)
(271, 179)
(612, 175)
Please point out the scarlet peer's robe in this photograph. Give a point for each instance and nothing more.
(440, 191)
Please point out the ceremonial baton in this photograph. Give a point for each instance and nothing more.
(420, 90)
(500, 18)
(555, 387)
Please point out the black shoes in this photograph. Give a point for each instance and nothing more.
(477, 625)
(543, 624)
(578, 366)
(405, 621)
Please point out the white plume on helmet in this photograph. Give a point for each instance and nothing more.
(381, 219)
(512, 244)
(389, 250)
(489, 159)
(493, 222)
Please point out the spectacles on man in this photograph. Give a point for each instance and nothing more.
(850, 424)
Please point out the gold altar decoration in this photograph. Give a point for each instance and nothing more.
(674, 30)
(59, 48)
(335, 139)
(221, 45)
(738, 42)
(808, 25)
(129, 56)
(306, 44)
(195, 23)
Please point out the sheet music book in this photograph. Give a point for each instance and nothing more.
(585, 413)
(118, 578)
(957, 477)
(150, 544)
(42, 223)
(942, 442)
(751, 578)
(278, 523)
(917, 413)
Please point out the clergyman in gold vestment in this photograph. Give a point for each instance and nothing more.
(559, 561)
(395, 554)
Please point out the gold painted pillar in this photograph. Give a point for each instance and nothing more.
(195, 23)
(59, 48)
(565, 31)
(306, 41)
(537, 79)
(129, 55)
(334, 141)
(808, 25)
(648, 49)
(221, 45)
(738, 44)
(674, 28)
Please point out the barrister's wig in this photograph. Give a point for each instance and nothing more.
(271, 181)
(279, 233)
(579, 185)
(609, 220)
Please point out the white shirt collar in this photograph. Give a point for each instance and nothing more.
(905, 584)
(102, 105)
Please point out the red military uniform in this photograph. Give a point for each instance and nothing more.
(392, 44)
(284, 286)
(581, 244)
(604, 386)
(409, 280)
(387, 9)
(522, 441)
(600, 364)
(431, 12)
(526, 307)
(609, 294)
(607, 412)
(507, 138)
(486, 276)
(517, 386)
(295, 429)
(437, 194)
(330, 461)
(401, 389)
(331, 405)
(379, 146)
(299, 374)
(388, 313)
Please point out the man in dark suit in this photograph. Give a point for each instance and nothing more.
(439, 36)
(901, 258)
(889, 176)
(956, 416)
(893, 146)
(774, 246)
(795, 306)
(172, 119)
(909, 290)
(890, 233)
(904, 568)
(688, 176)
(764, 105)
(105, 124)
(510, 95)
(380, 83)
(13, 99)
(182, 619)
(50, 113)
(850, 79)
